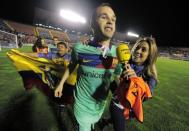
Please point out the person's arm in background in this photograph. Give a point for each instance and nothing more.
(68, 71)
(152, 83)
(59, 88)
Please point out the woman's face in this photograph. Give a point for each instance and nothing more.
(141, 53)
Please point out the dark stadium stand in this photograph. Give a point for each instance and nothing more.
(3, 26)
(73, 37)
(43, 33)
(22, 28)
(60, 35)
(66, 36)
(30, 33)
(29, 39)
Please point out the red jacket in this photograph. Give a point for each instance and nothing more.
(132, 95)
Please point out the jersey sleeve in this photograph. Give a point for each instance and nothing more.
(118, 69)
(73, 60)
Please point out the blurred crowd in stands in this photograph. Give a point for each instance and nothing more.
(179, 53)
(28, 34)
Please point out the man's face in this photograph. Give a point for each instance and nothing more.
(55, 41)
(62, 50)
(105, 22)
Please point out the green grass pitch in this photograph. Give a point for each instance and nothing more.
(168, 110)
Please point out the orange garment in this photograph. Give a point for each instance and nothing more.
(131, 96)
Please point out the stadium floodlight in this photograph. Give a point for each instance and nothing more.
(71, 16)
(132, 34)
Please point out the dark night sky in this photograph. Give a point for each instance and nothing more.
(165, 20)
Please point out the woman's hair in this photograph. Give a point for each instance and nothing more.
(150, 63)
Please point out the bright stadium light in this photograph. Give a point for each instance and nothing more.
(71, 16)
(132, 34)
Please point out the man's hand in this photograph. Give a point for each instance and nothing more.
(58, 91)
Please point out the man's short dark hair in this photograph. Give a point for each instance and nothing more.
(62, 43)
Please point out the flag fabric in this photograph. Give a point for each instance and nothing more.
(132, 95)
(44, 74)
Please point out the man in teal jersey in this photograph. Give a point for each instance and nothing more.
(97, 61)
